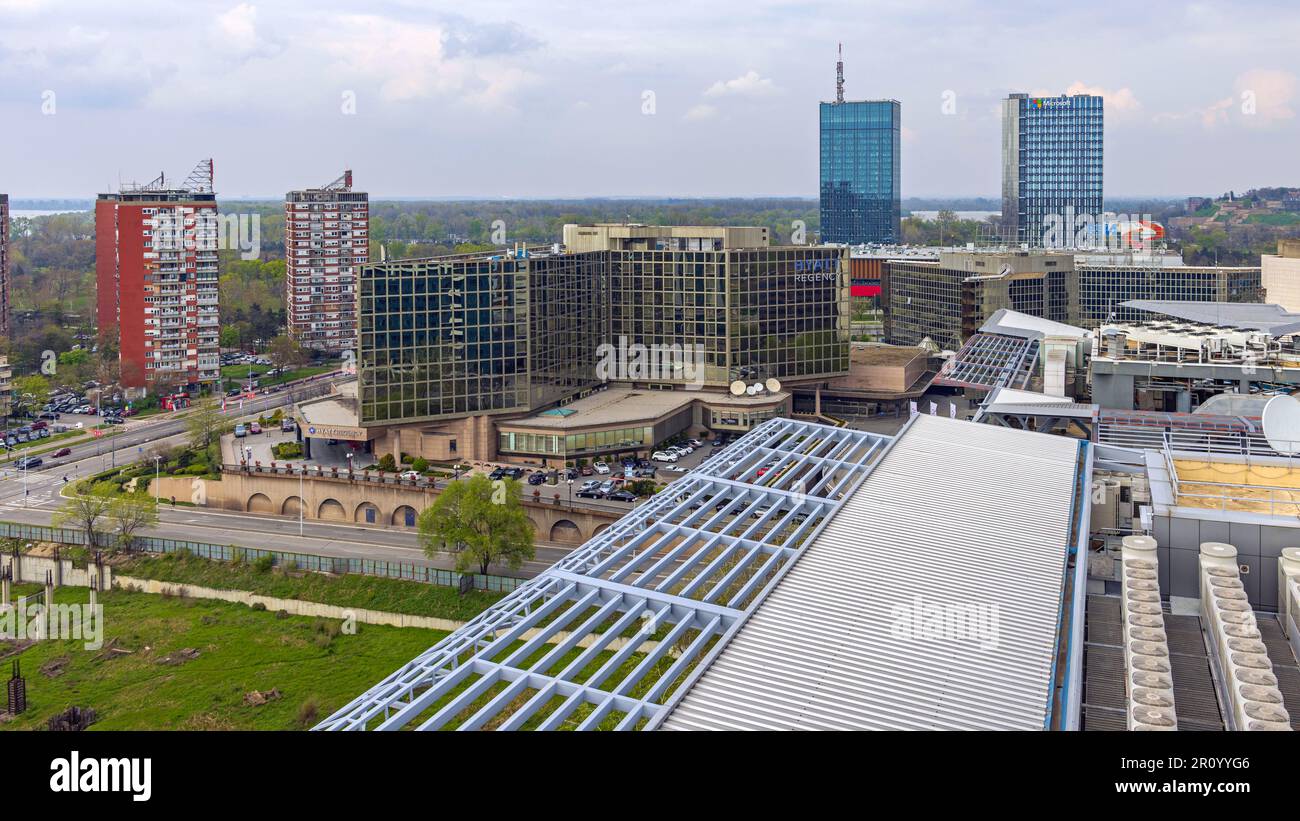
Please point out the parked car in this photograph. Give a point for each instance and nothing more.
(570, 474)
(622, 496)
(62, 452)
(695, 443)
(51, 415)
(589, 493)
(240, 431)
(606, 487)
(255, 427)
(28, 462)
(537, 479)
(411, 474)
(287, 425)
(675, 468)
(497, 474)
(586, 470)
(114, 420)
(601, 468)
(663, 456)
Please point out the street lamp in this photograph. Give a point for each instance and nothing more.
(570, 481)
(302, 471)
(156, 461)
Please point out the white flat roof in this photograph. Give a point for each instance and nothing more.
(955, 516)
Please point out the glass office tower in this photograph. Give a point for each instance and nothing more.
(859, 172)
(1051, 164)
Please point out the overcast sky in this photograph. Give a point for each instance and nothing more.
(567, 99)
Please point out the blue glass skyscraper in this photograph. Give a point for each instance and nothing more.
(1051, 162)
(859, 171)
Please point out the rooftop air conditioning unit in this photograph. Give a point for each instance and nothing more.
(1148, 681)
(1255, 701)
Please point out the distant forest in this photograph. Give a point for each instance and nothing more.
(52, 260)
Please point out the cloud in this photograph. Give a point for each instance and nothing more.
(238, 32)
(1266, 96)
(1120, 100)
(749, 84)
(703, 111)
(1260, 99)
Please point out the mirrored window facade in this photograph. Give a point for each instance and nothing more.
(1052, 161)
(860, 200)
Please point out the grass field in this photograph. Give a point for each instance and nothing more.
(316, 668)
(241, 372)
(162, 683)
(368, 592)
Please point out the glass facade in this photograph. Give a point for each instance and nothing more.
(1102, 289)
(442, 338)
(1052, 162)
(788, 313)
(860, 201)
(456, 336)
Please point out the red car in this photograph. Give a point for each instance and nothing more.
(62, 452)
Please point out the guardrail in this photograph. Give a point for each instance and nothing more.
(337, 565)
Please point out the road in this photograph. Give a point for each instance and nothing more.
(32, 497)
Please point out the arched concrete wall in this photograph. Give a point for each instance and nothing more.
(333, 510)
(399, 516)
(259, 503)
(339, 500)
(566, 531)
(359, 515)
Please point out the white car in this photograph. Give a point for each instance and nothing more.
(675, 468)
(682, 450)
(601, 468)
(411, 474)
(663, 456)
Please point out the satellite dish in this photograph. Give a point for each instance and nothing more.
(737, 388)
(752, 389)
(773, 384)
(1281, 420)
(757, 388)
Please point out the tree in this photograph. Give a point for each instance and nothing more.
(206, 424)
(84, 511)
(131, 514)
(229, 336)
(480, 522)
(285, 353)
(387, 462)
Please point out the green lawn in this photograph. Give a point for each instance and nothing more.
(316, 668)
(241, 372)
(366, 592)
(1282, 219)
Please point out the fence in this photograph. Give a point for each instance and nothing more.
(407, 571)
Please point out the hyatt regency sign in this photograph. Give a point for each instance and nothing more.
(816, 270)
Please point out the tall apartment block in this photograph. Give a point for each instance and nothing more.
(1051, 162)
(156, 269)
(326, 239)
(860, 200)
(4, 264)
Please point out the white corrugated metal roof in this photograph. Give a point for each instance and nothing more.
(957, 514)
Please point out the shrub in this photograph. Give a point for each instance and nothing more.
(420, 464)
(388, 463)
(264, 563)
(308, 712)
(257, 605)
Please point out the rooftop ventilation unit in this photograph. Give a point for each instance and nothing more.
(1147, 678)
(1255, 702)
(1288, 595)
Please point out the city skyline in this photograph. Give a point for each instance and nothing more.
(507, 101)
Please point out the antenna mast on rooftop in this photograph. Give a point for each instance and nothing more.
(200, 179)
(839, 76)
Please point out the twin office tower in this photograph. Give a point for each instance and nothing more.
(1051, 162)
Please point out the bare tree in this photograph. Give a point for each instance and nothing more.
(84, 511)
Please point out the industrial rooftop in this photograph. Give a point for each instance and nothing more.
(764, 590)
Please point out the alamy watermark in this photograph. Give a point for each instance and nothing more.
(59, 622)
(966, 622)
(1100, 232)
(209, 232)
(636, 362)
